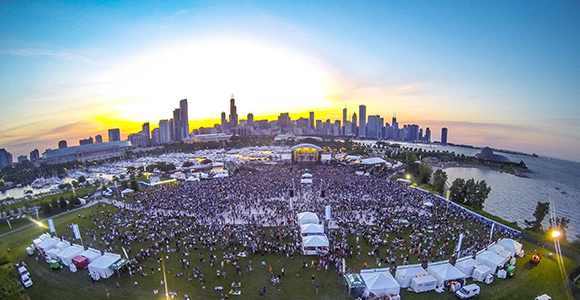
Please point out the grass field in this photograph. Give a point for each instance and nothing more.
(295, 284)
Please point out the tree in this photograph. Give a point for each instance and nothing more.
(439, 180)
(187, 164)
(542, 209)
(62, 203)
(75, 183)
(560, 224)
(74, 201)
(134, 185)
(456, 190)
(82, 179)
(470, 192)
(46, 208)
(480, 194)
(425, 172)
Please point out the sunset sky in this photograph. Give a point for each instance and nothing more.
(504, 74)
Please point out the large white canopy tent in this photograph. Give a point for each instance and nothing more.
(67, 254)
(48, 244)
(101, 265)
(311, 229)
(41, 238)
(315, 241)
(380, 282)
(466, 265)
(423, 284)
(491, 260)
(307, 218)
(481, 272)
(495, 248)
(91, 254)
(53, 253)
(444, 271)
(405, 274)
(510, 245)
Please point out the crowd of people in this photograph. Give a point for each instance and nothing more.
(221, 221)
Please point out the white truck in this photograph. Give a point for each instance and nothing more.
(468, 291)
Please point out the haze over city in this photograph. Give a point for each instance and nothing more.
(503, 75)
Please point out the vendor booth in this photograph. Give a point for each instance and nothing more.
(495, 248)
(307, 218)
(53, 253)
(380, 282)
(446, 274)
(91, 254)
(80, 262)
(405, 274)
(481, 272)
(39, 240)
(312, 244)
(510, 245)
(48, 244)
(423, 283)
(466, 265)
(101, 265)
(311, 229)
(356, 285)
(67, 254)
(491, 260)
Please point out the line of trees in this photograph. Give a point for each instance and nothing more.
(542, 210)
(470, 192)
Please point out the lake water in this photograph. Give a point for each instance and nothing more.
(514, 198)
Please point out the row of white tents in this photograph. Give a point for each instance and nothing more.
(99, 264)
(380, 282)
(312, 232)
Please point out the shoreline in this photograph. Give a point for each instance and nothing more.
(517, 172)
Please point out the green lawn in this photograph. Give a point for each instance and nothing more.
(296, 284)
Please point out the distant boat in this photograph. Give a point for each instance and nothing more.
(563, 192)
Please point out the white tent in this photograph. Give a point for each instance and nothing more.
(373, 161)
(466, 265)
(101, 265)
(505, 254)
(423, 284)
(41, 238)
(481, 272)
(510, 245)
(444, 271)
(191, 178)
(67, 254)
(490, 259)
(223, 174)
(312, 229)
(315, 241)
(53, 253)
(48, 244)
(405, 274)
(91, 254)
(62, 245)
(496, 248)
(126, 191)
(307, 218)
(380, 282)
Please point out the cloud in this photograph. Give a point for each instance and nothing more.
(41, 52)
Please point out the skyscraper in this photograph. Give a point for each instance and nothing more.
(114, 135)
(394, 128)
(344, 121)
(224, 121)
(5, 158)
(427, 135)
(177, 125)
(250, 122)
(184, 118)
(354, 122)
(146, 132)
(62, 144)
(284, 121)
(362, 118)
(164, 132)
(34, 155)
(444, 136)
(233, 112)
(98, 139)
(311, 120)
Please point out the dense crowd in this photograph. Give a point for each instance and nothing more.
(218, 221)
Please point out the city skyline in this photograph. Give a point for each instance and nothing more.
(502, 75)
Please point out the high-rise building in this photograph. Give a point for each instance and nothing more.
(284, 121)
(250, 122)
(5, 158)
(88, 141)
(138, 139)
(171, 130)
(427, 135)
(62, 144)
(344, 121)
(375, 127)
(114, 135)
(362, 118)
(155, 136)
(224, 121)
(184, 118)
(444, 136)
(311, 120)
(176, 125)
(22, 159)
(98, 139)
(146, 132)
(302, 123)
(233, 112)
(354, 122)
(34, 155)
(164, 132)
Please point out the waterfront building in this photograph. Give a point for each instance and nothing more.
(98, 138)
(5, 158)
(181, 121)
(427, 135)
(34, 155)
(86, 152)
(164, 132)
(354, 122)
(444, 136)
(62, 144)
(146, 132)
(362, 116)
(311, 120)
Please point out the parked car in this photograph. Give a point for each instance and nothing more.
(26, 281)
(23, 271)
(468, 291)
(543, 297)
